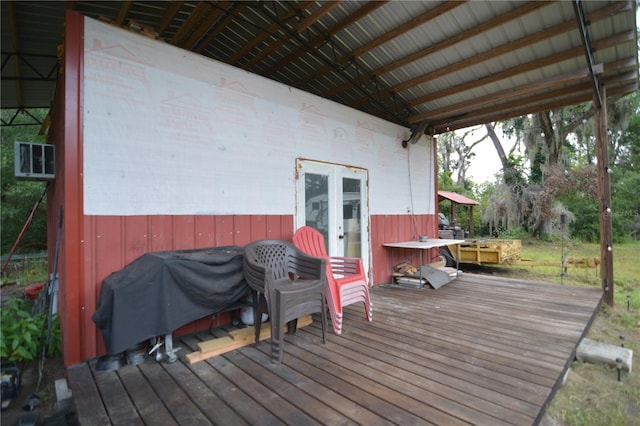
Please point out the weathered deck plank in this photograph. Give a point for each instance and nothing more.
(480, 350)
(146, 401)
(120, 408)
(88, 402)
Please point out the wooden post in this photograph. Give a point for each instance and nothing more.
(454, 213)
(604, 195)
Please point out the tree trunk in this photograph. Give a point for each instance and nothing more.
(509, 172)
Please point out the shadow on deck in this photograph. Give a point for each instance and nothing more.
(480, 350)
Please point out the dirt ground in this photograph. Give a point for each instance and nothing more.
(33, 404)
(46, 410)
(592, 394)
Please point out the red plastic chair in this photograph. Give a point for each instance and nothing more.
(346, 277)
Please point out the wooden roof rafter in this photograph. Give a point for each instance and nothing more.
(225, 19)
(292, 34)
(429, 15)
(448, 42)
(16, 48)
(588, 50)
(534, 87)
(265, 35)
(506, 48)
(206, 25)
(378, 41)
(519, 69)
(125, 7)
(325, 36)
(542, 102)
(373, 56)
(168, 16)
(193, 24)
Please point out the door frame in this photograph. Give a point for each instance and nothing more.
(336, 172)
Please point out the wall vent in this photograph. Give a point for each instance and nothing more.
(35, 160)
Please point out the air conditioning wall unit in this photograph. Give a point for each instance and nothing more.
(35, 161)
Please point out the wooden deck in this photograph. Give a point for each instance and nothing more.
(480, 350)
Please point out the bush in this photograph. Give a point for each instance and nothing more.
(22, 335)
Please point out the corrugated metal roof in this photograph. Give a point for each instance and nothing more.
(454, 64)
(456, 198)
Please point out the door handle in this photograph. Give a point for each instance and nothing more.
(341, 236)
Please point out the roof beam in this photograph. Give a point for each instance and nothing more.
(518, 69)
(323, 37)
(191, 24)
(573, 95)
(236, 7)
(291, 34)
(172, 10)
(317, 14)
(266, 34)
(205, 24)
(506, 48)
(588, 51)
(429, 15)
(535, 87)
(13, 23)
(123, 12)
(446, 43)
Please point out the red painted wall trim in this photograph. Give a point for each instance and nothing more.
(71, 298)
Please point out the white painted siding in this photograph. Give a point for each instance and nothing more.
(166, 131)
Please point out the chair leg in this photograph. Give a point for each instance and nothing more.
(323, 317)
(257, 314)
(277, 329)
(292, 326)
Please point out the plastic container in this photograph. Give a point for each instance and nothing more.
(246, 316)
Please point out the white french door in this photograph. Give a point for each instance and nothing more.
(333, 199)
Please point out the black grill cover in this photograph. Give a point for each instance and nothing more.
(162, 291)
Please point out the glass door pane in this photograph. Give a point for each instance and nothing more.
(317, 203)
(351, 216)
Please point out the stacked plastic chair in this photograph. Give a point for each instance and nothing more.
(346, 277)
(290, 283)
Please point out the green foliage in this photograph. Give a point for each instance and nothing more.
(514, 174)
(513, 233)
(625, 204)
(19, 196)
(586, 226)
(22, 334)
(27, 270)
(445, 179)
(631, 140)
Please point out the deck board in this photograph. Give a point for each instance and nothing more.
(480, 350)
(121, 410)
(147, 402)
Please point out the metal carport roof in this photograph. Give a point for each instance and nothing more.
(456, 198)
(446, 65)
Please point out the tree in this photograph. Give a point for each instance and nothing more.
(19, 196)
(560, 153)
(457, 143)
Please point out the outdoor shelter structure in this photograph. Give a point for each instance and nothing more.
(458, 199)
(368, 79)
